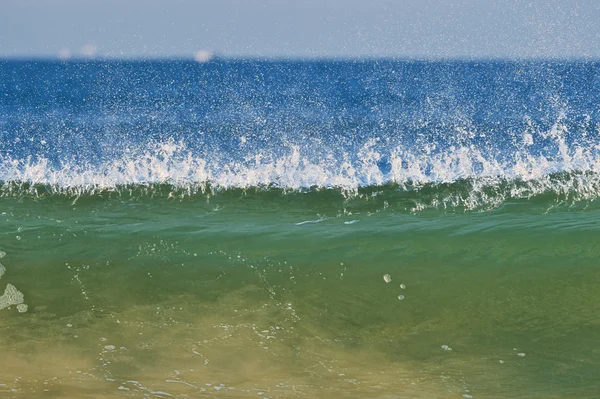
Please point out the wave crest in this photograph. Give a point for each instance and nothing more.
(465, 175)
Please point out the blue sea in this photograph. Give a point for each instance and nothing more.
(300, 229)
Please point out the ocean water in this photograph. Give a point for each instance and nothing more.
(292, 229)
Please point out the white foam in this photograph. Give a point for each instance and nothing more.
(523, 172)
(161, 393)
(11, 297)
(311, 221)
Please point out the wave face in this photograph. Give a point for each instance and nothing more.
(299, 229)
(479, 133)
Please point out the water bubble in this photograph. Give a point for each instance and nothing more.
(387, 278)
(402, 286)
(401, 297)
(18, 238)
(22, 308)
(467, 396)
(446, 348)
(501, 361)
(2, 254)
(2, 269)
(521, 354)
(109, 347)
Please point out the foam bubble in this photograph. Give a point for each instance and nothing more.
(387, 278)
(11, 296)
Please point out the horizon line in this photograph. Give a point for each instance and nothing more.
(219, 57)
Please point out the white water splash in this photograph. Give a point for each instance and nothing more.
(522, 175)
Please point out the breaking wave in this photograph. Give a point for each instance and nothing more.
(465, 176)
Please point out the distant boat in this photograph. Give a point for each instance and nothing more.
(64, 54)
(203, 56)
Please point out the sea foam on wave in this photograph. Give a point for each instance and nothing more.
(571, 169)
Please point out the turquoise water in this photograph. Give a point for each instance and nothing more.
(285, 294)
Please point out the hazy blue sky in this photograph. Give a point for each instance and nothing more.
(301, 28)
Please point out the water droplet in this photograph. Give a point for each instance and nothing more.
(387, 278)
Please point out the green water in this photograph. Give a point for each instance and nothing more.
(283, 296)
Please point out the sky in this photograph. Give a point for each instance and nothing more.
(421, 29)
